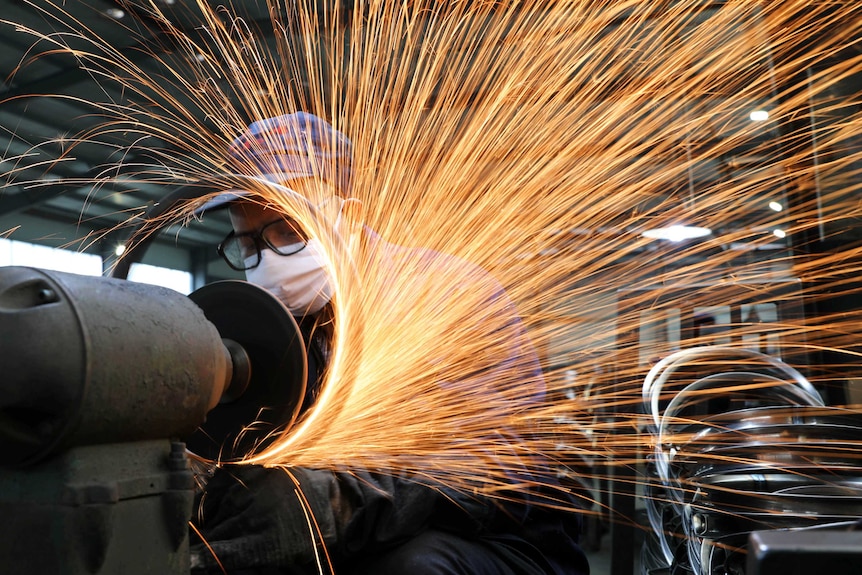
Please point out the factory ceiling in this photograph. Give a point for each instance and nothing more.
(45, 178)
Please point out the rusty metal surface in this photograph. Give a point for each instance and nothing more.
(90, 360)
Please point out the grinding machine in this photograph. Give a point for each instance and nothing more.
(106, 384)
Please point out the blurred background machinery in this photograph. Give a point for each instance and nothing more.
(750, 471)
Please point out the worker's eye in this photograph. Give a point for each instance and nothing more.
(240, 246)
(283, 234)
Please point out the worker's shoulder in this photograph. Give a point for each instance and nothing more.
(444, 268)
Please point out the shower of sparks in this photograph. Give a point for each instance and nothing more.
(536, 140)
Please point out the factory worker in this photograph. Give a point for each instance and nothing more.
(251, 520)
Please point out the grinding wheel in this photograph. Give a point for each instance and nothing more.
(256, 320)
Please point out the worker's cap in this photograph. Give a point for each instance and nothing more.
(288, 147)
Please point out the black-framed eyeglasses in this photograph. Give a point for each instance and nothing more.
(242, 251)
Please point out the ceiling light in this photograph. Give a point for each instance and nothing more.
(120, 249)
(759, 116)
(681, 232)
(775, 206)
(115, 13)
(677, 233)
(781, 234)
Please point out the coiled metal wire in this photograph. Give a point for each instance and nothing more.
(741, 442)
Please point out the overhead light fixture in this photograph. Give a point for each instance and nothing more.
(115, 13)
(759, 115)
(775, 206)
(680, 232)
(120, 249)
(779, 233)
(676, 233)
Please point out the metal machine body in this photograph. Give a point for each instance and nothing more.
(102, 382)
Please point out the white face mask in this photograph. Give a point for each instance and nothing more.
(299, 280)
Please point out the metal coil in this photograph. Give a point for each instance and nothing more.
(735, 450)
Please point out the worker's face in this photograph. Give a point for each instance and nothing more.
(297, 277)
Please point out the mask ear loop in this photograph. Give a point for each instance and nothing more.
(332, 399)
